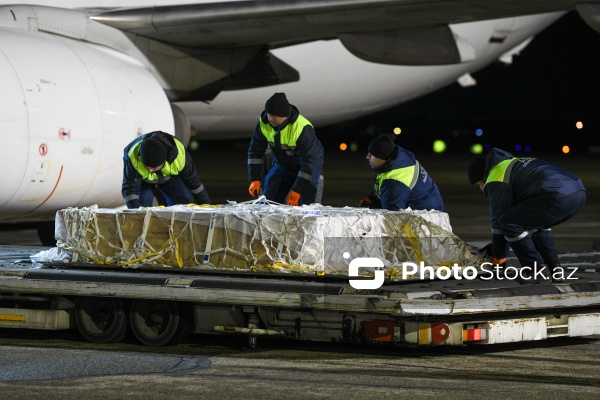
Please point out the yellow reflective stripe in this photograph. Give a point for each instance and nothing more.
(406, 175)
(288, 136)
(168, 169)
(501, 171)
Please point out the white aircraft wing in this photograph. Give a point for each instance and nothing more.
(232, 39)
(235, 24)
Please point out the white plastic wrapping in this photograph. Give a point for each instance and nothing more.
(258, 236)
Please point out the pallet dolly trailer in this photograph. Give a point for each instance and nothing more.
(160, 306)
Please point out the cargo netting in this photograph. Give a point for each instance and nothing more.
(260, 236)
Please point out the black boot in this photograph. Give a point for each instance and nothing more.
(544, 273)
(557, 271)
(540, 274)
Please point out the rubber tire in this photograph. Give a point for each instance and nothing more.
(101, 319)
(155, 323)
(46, 231)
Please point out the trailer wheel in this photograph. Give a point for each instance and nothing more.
(155, 323)
(101, 320)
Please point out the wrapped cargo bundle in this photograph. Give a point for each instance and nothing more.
(259, 236)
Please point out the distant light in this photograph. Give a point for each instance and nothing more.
(518, 147)
(527, 148)
(343, 146)
(353, 146)
(479, 132)
(194, 145)
(487, 146)
(439, 146)
(579, 125)
(397, 131)
(476, 149)
(566, 149)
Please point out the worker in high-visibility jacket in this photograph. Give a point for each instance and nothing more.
(158, 162)
(296, 151)
(527, 197)
(401, 180)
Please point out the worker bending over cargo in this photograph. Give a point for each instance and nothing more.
(527, 197)
(158, 163)
(401, 180)
(297, 155)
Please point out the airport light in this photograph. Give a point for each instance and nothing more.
(527, 148)
(479, 132)
(343, 146)
(579, 125)
(477, 148)
(353, 146)
(439, 146)
(518, 147)
(397, 131)
(566, 149)
(194, 145)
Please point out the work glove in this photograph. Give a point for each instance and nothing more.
(500, 261)
(202, 198)
(254, 188)
(293, 198)
(365, 202)
(488, 250)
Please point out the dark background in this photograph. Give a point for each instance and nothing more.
(535, 101)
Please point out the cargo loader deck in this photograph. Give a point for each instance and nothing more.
(159, 304)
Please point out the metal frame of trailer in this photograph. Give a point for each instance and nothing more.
(160, 305)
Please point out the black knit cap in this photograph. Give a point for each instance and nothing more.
(278, 105)
(153, 152)
(382, 146)
(476, 169)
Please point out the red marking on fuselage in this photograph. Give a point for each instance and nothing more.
(62, 133)
(53, 190)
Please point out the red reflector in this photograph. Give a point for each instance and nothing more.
(382, 331)
(475, 334)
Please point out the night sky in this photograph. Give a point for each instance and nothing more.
(553, 83)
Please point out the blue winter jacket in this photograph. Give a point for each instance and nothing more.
(303, 155)
(402, 182)
(509, 180)
(132, 179)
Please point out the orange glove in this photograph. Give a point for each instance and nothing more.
(498, 261)
(365, 202)
(254, 188)
(293, 198)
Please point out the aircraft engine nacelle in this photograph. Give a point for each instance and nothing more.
(68, 110)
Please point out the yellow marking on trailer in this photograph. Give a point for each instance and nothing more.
(424, 333)
(12, 318)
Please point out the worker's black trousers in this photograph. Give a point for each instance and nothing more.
(173, 191)
(279, 182)
(526, 225)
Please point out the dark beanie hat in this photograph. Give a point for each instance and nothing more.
(153, 152)
(278, 105)
(382, 146)
(476, 169)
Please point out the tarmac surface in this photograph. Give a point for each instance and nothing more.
(62, 365)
